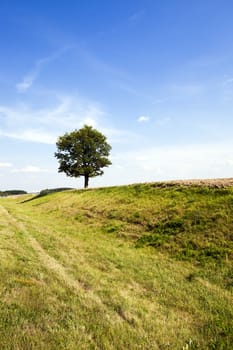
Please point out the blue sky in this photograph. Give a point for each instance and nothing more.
(156, 77)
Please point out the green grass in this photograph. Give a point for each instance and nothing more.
(133, 267)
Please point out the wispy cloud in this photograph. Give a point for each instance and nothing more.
(28, 80)
(32, 136)
(44, 125)
(143, 119)
(30, 169)
(5, 165)
(31, 76)
(176, 162)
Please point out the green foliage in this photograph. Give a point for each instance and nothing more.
(154, 240)
(83, 152)
(113, 227)
(170, 227)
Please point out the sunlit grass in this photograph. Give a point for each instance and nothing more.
(133, 267)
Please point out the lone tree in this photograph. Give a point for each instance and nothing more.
(83, 152)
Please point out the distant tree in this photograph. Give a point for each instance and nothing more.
(83, 152)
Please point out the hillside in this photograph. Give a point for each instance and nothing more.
(145, 266)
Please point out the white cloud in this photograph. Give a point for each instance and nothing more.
(30, 169)
(229, 162)
(26, 83)
(5, 165)
(44, 125)
(33, 136)
(90, 122)
(174, 162)
(143, 119)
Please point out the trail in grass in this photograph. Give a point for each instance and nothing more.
(48, 261)
(51, 264)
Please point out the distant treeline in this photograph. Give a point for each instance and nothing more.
(11, 193)
(48, 191)
(53, 190)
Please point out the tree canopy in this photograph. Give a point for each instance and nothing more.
(83, 152)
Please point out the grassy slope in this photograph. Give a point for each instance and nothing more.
(134, 267)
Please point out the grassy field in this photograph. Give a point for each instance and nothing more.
(134, 267)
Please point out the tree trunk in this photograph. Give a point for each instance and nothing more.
(86, 180)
